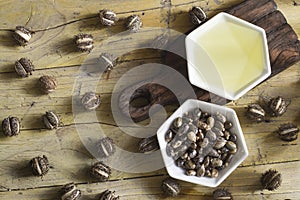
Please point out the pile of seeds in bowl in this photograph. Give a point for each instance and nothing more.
(201, 143)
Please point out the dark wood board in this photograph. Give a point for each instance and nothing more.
(284, 51)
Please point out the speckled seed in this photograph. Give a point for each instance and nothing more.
(70, 192)
(106, 147)
(204, 143)
(219, 125)
(218, 132)
(109, 195)
(191, 172)
(190, 164)
(177, 143)
(213, 153)
(228, 159)
(197, 113)
(100, 171)
(233, 137)
(211, 135)
(231, 145)
(177, 123)
(169, 136)
(220, 142)
(201, 171)
(214, 173)
(211, 122)
(220, 117)
(191, 136)
(170, 187)
(227, 125)
(203, 125)
(226, 135)
(193, 154)
(216, 162)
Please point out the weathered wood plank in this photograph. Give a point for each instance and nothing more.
(243, 183)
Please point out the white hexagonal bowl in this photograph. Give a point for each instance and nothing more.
(237, 159)
(226, 47)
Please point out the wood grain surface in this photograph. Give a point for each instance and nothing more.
(53, 53)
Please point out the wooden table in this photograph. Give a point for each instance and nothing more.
(53, 52)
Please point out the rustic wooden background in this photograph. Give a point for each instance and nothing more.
(53, 52)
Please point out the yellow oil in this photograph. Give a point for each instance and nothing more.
(236, 53)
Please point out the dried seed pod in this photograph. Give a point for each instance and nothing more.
(47, 83)
(108, 62)
(11, 126)
(22, 35)
(107, 17)
(134, 23)
(84, 42)
(24, 67)
(70, 192)
(109, 195)
(106, 147)
(148, 145)
(222, 194)
(278, 106)
(160, 41)
(288, 132)
(271, 179)
(197, 15)
(170, 187)
(91, 100)
(51, 120)
(100, 171)
(256, 113)
(39, 165)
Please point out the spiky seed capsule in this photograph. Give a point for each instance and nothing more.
(47, 84)
(222, 194)
(24, 67)
(109, 195)
(288, 132)
(197, 15)
(278, 106)
(22, 35)
(106, 147)
(84, 42)
(134, 23)
(170, 187)
(70, 192)
(256, 113)
(100, 171)
(107, 17)
(90, 101)
(51, 120)
(271, 179)
(39, 165)
(148, 145)
(11, 126)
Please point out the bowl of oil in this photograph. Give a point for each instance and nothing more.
(227, 56)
